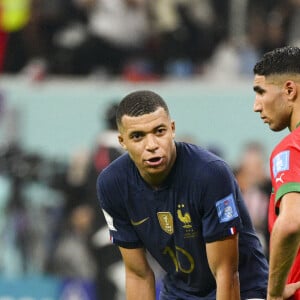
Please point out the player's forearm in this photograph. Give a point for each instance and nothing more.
(228, 286)
(284, 245)
(140, 288)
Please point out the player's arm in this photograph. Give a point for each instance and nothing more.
(140, 281)
(223, 257)
(285, 241)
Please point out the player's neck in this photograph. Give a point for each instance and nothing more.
(295, 123)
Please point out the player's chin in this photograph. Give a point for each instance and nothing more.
(276, 128)
(157, 170)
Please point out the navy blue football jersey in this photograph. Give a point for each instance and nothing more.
(200, 202)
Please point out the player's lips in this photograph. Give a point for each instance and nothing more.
(264, 119)
(154, 161)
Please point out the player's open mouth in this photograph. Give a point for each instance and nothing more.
(155, 161)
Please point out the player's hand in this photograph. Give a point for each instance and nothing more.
(290, 290)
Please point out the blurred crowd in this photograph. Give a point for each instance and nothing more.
(141, 39)
(51, 223)
(49, 208)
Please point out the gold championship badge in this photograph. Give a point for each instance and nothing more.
(166, 222)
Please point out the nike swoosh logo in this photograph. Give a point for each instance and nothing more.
(139, 222)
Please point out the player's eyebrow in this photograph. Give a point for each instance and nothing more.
(159, 126)
(140, 132)
(151, 130)
(258, 89)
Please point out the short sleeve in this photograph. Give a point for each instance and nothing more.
(111, 198)
(285, 168)
(220, 207)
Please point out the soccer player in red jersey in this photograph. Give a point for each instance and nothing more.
(277, 100)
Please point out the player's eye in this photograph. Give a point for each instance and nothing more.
(259, 90)
(136, 136)
(161, 130)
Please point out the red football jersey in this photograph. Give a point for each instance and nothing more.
(285, 175)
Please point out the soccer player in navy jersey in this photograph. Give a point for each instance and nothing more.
(182, 204)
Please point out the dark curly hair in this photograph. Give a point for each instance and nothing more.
(279, 61)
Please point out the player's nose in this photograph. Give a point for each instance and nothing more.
(257, 106)
(151, 142)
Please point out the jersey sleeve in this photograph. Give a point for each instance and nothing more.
(285, 168)
(111, 198)
(220, 207)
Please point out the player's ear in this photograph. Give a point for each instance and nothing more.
(290, 89)
(121, 141)
(173, 128)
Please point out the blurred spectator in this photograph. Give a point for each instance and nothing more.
(48, 18)
(107, 149)
(294, 25)
(81, 204)
(74, 224)
(30, 26)
(3, 42)
(183, 35)
(265, 25)
(14, 16)
(28, 212)
(75, 184)
(280, 22)
(276, 29)
(141, 39)
(16, 225)
(73, 258)
(116, 32)
(255, 186)
(107, 140)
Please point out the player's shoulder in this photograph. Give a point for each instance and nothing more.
(294, 137)
(116, 170)
(194, 159)
(195, 154)
(289, 142)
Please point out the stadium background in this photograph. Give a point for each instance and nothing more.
(48, 111)
(58, 117)
(61, 115)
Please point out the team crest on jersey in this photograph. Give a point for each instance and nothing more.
(281, 162)
(166, 222)
(226, 209)
(184, 218)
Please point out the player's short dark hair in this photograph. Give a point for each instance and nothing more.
(279, 61)
(139, 103)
